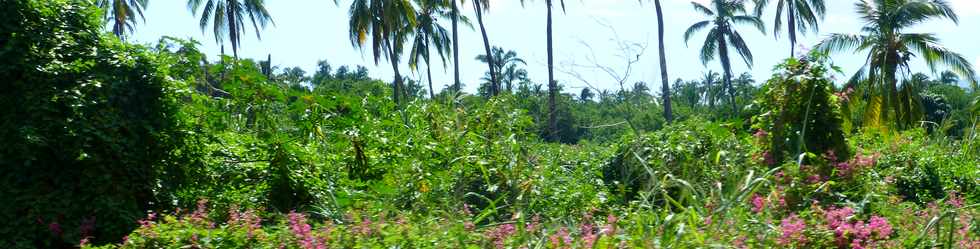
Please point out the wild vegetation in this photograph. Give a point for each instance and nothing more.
(109, 144)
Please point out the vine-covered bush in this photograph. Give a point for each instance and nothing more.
(800, 112)
(693, 150)
(88, 124)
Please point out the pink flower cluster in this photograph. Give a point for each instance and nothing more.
(561, 239)
(845, 94)
(792, 228)
(847, 169)
(856, 234)
(758, 203)
(534, 225)
(248, 220)
(304, 232)
(500, 234)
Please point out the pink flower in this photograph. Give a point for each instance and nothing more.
(500, 234)
(880, 227)
(814, 179)
(768, 159)
(837, 217)
(561, 238)
(758, 203)
(201, 213)
(954, 200)
(610, 228)
(304, 232)
(830, 156)
(533, 226)
(760, 134)
(55, 228)
(792, 228)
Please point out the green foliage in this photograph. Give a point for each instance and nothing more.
(99, 133)
(690, 150)
(90, 124)
(800, 112)
(923, 170)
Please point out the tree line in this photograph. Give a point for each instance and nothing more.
(392, 28)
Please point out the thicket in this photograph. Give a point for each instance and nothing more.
(115, 145)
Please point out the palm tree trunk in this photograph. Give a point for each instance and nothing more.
(552, 85)
(397, 85)
(727, 66)
(791, 27)
(455, 17)
(428, 70)
(494, 85)
(668, 112)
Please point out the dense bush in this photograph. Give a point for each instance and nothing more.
(699, 153)
(800, 112)
(89, 123)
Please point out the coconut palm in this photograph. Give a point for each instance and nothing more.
(456, 18)
(724, 14)
(890, 48)
(383, 22)
(429, 34)
(801, 16)
(228, 17)
(668, 113)
(507, 67)
(122, 14)
(709, 88)
(479, 6)
(552, 84)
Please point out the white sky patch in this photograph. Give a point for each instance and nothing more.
(976, 64)
(966, 7)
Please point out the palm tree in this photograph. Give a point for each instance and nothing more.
(227, 17)
(724, 15)
(949, 78)
(384, 21)
(890, 48)
(801, 15)
(668, 113)
(122, 14)
(429, 33)
(708, 88)
(456, 18)
(479, 6)
(552, 84)
(507, 67)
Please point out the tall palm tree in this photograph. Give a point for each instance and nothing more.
(723, 15)
(456, 18)
(890, 48)
(480, 6)
(228, 17)
(122, 14)
(384, 22)
(552, 84)
(668, 112)
(429, 33)
(801, 15)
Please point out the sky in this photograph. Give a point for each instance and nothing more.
(307, 31)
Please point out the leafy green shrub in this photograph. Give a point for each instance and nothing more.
(698, 152)
(799, 111)
(88, 127)
(923, 170)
